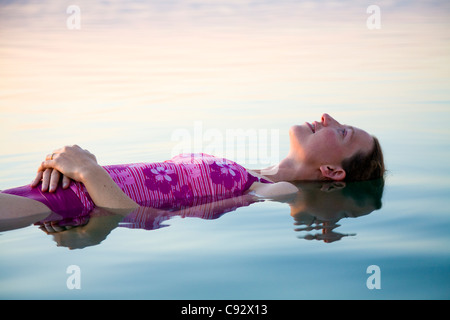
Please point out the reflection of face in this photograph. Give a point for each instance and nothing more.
(327, 203)
(327, 142)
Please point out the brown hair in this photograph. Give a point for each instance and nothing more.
(362, 166)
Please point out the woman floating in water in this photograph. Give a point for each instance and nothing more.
(71, 179)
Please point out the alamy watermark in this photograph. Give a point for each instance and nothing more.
(73, 22)
(374, 280)
(74, 280)
(248, 147)
(374, 20)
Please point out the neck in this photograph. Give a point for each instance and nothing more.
(288, 169)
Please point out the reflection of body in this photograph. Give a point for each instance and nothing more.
(80, 230)
(323, 150)
(316, 207)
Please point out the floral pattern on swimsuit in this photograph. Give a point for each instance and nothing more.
(178, 181)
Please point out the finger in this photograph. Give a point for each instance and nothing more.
(37, 179)
(56, 227)
(54, 180)
(42, 227)
(48, 227)
(54, 154)
(65, 182)
(46, 179)
(47, 164)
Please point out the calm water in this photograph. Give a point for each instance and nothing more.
(139, 81)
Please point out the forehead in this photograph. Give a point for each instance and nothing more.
(361, 140)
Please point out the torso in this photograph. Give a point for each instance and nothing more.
(182, 179)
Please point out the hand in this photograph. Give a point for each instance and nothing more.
(81, 165)
(70, 161)
(50, 179)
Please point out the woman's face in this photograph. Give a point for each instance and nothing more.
(327, 142)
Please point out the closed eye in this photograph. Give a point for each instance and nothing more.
(349, 131)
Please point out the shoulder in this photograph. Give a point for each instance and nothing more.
(272, 190)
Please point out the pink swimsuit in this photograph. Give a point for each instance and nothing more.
(180, 181)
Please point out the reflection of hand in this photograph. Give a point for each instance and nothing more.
(71, 162)
(74, 238)
(84, 230)
(53, 227)
(57, 223)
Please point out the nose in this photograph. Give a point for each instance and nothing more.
(328, 120)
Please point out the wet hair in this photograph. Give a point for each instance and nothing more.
(365, 166)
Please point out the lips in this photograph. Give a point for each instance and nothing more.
(312, 127)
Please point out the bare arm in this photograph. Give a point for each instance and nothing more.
(104, 191)
(80, 165)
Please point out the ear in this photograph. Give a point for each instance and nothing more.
(332, 172)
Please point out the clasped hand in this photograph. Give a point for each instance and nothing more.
(62, 166)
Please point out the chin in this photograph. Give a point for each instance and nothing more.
(295, 129)
(300, 133)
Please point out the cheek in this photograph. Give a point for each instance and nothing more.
(327, 139)
(325, 147)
